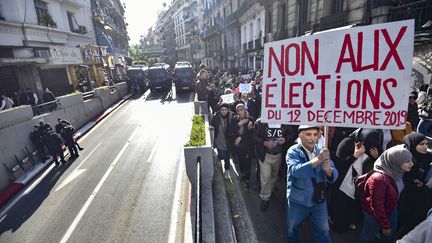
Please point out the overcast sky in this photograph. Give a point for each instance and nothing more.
(141, 15)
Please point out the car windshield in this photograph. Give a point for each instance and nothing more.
(183, 72)
(135, 73)
(157, 73)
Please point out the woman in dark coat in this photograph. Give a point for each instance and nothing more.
(241, 137)
(354, 155)
(416, 199)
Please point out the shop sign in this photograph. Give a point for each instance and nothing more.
(65, 55)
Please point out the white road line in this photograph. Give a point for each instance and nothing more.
(153, 152)
(77, 171)
(88, 156)
(176, 201)
(72, 227)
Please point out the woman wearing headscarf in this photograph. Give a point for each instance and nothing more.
(241, 136)
(354, 153)
(381, 193)
(416, 199)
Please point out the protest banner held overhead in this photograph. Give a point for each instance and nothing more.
(245, 88)
(357, 77)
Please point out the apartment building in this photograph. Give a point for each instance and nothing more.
(40, 43)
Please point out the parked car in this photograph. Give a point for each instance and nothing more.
(184, 78)
(159, 78)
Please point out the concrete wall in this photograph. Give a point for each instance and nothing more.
(16, 124)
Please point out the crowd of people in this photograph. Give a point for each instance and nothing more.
(27, 97)
(320, 182)
(47, 142)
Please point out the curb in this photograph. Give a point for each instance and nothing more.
(21, 182)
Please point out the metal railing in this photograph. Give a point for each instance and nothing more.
(258, 43)
(89, 95)
(198, 228)
(420, 11)
(333, 21)
(45, 107)
(250, 45)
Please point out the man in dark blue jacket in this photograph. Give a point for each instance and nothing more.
(309, 169)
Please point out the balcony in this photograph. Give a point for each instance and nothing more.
(258, 43)
(233, 17)
(305, 27)
(333, 21)
(421, 12)
(250, 45)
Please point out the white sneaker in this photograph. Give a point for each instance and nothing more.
(352, 226)
(226, 175)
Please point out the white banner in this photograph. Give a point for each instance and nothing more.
(357, 77)
(65, 55)
(245, 88)
(228, 98)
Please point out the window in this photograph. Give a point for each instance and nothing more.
(304, 12)
(43, 16)
(73, 24)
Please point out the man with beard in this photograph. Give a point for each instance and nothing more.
(221, 122)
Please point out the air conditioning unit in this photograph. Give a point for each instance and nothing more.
(42, 53)
(82, 29)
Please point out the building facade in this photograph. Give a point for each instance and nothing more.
(40, 44)
(110, 28)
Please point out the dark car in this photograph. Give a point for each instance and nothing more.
(184, 78)
(159, 79)
(137, 76)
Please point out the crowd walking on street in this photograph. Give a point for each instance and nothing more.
(320, 181)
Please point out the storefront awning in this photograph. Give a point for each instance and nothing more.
(104, 40)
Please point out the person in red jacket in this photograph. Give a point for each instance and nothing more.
(381, 194)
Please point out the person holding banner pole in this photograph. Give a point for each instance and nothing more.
(309, 170)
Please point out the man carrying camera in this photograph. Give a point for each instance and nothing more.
(309, 169)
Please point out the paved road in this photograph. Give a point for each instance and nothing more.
(123, 186)
(270, 226)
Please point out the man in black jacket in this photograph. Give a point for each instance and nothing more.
(271, 141)
(67, 134)
(221, 122)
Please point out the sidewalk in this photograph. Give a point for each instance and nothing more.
(253, 225)
(20, 183)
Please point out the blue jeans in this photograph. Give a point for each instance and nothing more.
(296, 213)
(224, 155)
(423, 127)
(371, 228)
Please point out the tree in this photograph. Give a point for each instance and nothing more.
(137, 54)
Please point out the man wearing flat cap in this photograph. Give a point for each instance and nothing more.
(309, 170)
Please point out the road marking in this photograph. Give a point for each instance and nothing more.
(72, 227)
(77, 171)
(23, 193)
(102, 121)
(176, 201)
(153, 152)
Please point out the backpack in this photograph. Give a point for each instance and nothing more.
(360, 183)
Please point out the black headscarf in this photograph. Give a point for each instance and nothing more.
(411, 141)
(371, 138)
